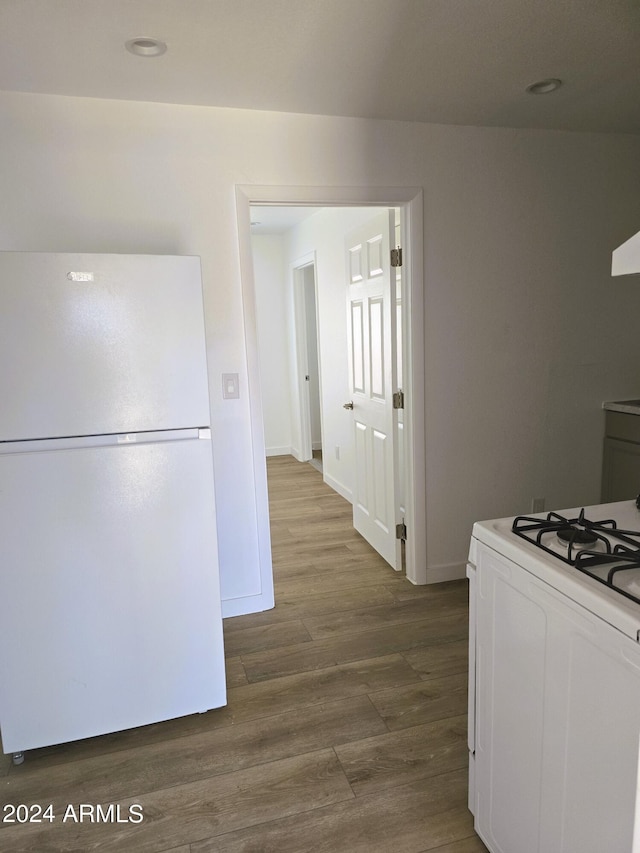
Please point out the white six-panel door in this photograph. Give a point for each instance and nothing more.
(372, 368)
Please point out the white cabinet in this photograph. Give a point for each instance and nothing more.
(557, 719)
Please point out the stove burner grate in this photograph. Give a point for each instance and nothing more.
(590, 546)
(575, 533)
(627, 559)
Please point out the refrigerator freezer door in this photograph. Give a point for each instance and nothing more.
(109, 592)
(95, 344)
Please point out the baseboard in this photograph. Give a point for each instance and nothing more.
(245, 605)
(337, 486)
(279, 451)
(316, 445)
(447, 572)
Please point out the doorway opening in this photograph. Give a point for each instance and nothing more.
(305, 271)
(308, 361)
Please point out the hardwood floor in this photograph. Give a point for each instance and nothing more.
(345, 728)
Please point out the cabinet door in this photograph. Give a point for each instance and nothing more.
(620, 470)
(557, 715)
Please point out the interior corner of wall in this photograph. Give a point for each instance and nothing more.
(446, 572)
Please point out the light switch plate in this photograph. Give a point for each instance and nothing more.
(230, 386)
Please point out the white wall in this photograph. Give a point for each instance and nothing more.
(526, 333)
(273, 328)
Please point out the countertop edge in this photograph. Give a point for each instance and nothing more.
(629, 407)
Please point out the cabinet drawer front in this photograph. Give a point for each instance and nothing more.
(623, 426)
(620, 470)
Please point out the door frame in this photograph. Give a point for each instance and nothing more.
(410, 202)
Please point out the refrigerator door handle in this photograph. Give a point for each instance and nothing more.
(118, 439)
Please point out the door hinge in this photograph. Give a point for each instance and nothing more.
(401, 531)
(396, 257)
(398, 400)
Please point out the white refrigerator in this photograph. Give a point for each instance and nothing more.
(110, 612)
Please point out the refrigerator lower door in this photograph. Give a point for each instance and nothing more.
(109, 591)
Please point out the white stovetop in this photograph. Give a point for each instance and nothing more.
(608, 604)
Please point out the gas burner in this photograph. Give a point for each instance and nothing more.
(573, 535)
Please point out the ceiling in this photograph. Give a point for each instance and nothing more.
(444, 61)
(277, 219)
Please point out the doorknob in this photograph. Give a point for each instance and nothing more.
(348, 405)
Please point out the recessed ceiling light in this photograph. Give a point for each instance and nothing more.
(543, 87)
(143, 46)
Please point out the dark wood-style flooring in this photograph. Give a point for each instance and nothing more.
(345, 728)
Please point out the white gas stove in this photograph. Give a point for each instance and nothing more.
(575, 551)
(554, 685)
